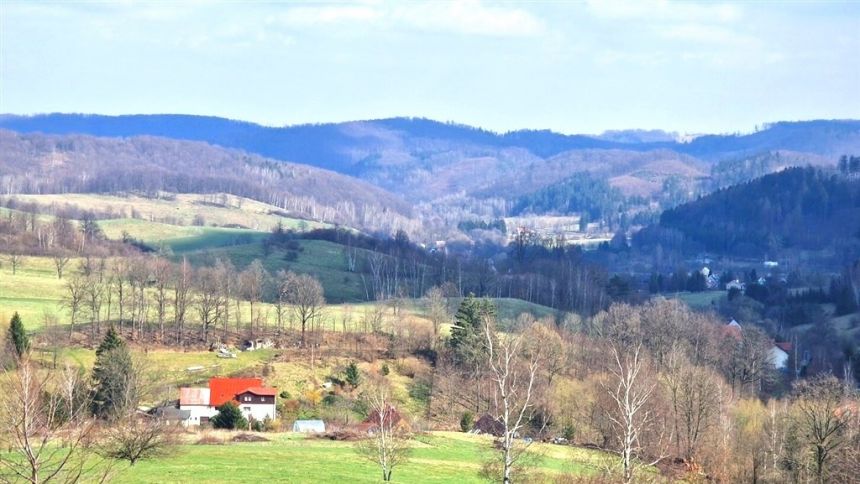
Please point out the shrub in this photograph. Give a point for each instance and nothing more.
(568, 432)
(385, 369)
(209, 439)
(285, 395)
(270, 425)
(466, 421)
(420, 391)
(330, 399)
(257, 426)
(352, 376)
(229, 417)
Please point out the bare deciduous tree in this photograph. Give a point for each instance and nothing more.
(305, 295)
(61, 259)
(253, 280)
(48, 435)
(437, 309)
(15, 260)
(388, 443)
(208, 300)
(629, 390)
(160, 271)
(181, 287)
(822, 423)
(74, 298)
(513, 368)
(133, 438)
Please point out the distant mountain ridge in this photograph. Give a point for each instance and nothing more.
(317, 144)
(454, 172)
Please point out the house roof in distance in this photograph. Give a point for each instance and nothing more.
(261, 391)
(223, 390)
(194, 396)
(784, 346)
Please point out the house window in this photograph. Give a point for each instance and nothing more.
(248, 409)
(247, 398)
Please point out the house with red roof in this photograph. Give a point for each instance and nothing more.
(778, 355)
(257, 402)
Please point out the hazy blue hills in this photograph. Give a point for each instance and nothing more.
(332, 145)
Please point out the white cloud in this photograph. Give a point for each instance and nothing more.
(470, 17)
(665, 10)
(708, 34)
(331, 14)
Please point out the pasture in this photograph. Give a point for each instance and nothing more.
(437, 457)
(217, 210)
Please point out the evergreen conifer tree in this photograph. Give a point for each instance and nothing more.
(467, 334)
(113, 382)
(17, 336)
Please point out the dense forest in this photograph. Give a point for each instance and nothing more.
(796, 209)
(582, 193)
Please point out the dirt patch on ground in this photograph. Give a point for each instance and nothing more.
(249, 438)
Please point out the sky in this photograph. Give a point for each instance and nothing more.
(573, 67)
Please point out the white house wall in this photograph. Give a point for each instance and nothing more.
(258, 411)
(197, 411)
(778, 358)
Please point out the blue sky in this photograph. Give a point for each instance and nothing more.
(579, 67)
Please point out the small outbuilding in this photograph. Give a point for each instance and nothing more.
(309, 426)
(486, 424)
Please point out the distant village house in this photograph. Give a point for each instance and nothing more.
(255, 401)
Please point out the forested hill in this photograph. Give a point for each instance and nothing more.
(38, 164)
(347, 147)
(796, 209)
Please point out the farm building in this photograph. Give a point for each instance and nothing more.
(255, 401)
(309, 426)
(195, 401)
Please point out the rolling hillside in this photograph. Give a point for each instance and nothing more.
(424, 159)
(40, 164)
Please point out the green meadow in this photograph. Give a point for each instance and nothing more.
(437, 457)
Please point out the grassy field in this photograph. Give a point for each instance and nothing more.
(439, 457)
(699, 300)
(178, 239)
(215, 209)
(176, 367)
(34, 291)
(322, 259)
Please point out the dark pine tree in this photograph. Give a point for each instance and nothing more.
(18, 338)
(112, 376)
(467, 336)
(229, 417)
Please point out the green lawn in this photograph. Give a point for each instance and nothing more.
(324, 260)
(172, 366)
(440, 457)
(33, 291)
(178, 238)
(699, 300)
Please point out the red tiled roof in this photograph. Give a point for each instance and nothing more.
(223, 390)
(261, 391)
(785, 346)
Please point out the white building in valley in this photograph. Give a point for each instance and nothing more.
(255, 401)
